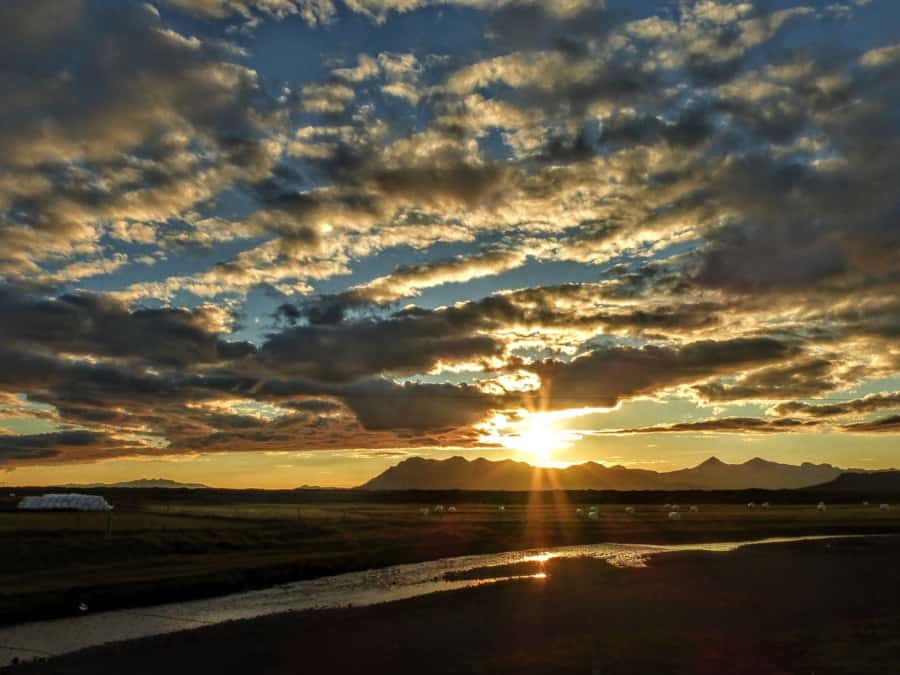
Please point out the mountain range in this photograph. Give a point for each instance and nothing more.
(459, 473)
(139, 483)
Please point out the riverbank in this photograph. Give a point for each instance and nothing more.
(823, 607)
(53, 564)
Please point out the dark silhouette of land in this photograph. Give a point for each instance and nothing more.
(813, 607)
(881, 482)
(175, 544)
(141, 483)
(459, 473)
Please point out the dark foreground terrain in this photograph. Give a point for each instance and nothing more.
(812, 607)
(173, 545)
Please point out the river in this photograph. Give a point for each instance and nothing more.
(397, 582)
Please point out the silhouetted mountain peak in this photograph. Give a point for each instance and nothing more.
(459, 473)
(710, 463)
(758, 461)
(139, 483)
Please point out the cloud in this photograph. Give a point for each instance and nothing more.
(400, 345)
(407, 281)
(884, 425)
(727, 425)
(114, 139)
(603, 377)
(314, 12)
(98, 326)
(866, 404)
(18, 448)
(726, 194)
(806, 378)
(379, 10)
(382, 404)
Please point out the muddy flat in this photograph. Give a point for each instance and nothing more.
(804, 607)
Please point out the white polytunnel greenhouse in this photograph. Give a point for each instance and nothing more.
(64, 502)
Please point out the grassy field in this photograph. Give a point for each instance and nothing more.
(174, 546)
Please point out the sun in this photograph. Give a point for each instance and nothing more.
(537, 438)
(534, 436)
(540, 439)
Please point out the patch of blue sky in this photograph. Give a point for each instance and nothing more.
(871, 26)
(24, 426)
(293, 52)
(858, 390)
(532, 273)
(492, 145)
(178, 260)
(256, 316)
(386, 261)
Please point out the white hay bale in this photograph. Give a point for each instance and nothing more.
(451, 509)
(751, 505)
(501, 508)
(629, 510)
(424, 511)
(766, 505)
(438, 509)
(885, 507)
(865, 503)
(593, 515)
(821, 506)
(674, 515)
(64, 502)
(695, 509)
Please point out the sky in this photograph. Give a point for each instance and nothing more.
(281, 242)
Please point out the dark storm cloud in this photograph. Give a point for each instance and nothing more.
(727, 425)
(691, 128)
(885, 425)
(96, 325)
(606, 376)
(313, 405)
(797, 225)
(358, 349)
(563, 307)
(385, 405)
(43, 446)
(172, 412)
(735, 262)
(866, 404)
(526, 25)
(795, 380)
(430, 184)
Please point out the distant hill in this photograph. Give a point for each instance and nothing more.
(864, 482)
(459, 473)
(714, 474)
(140, 483)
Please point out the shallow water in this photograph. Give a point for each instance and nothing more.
(51, 638)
